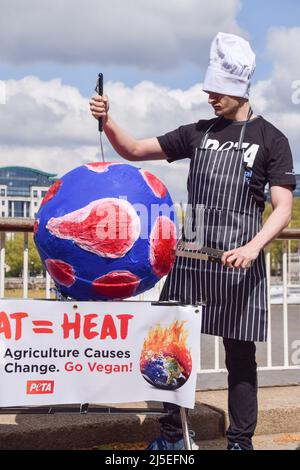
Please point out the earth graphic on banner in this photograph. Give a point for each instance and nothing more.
(166, 361)
(106, 231)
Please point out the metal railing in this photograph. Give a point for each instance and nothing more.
(285, 236)
(10, 225)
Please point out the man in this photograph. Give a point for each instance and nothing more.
(232, 157)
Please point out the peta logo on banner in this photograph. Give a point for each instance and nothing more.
(40, 387)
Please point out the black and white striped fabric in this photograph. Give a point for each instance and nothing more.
(235, 299)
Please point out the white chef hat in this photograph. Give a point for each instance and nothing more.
(231, 66)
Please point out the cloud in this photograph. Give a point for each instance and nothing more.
(57, 160)
(281, 47)
(60, 160)
(148, 109)
(41, 112)
(277, 90)
(275, 96)
(47, 125)
(152, 34)
(49, 113)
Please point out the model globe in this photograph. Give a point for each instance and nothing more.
(106, 231)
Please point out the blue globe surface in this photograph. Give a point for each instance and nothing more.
(99, 231)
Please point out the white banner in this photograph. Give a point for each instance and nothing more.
(97, 352)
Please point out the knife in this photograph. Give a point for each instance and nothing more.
(194, 251)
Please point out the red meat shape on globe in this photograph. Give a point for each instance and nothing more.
(162, 246)
(61, 272)
(117, 284)
(36, 226)
(51, 192)
(107, 227)
(100, 167)
(157, 187)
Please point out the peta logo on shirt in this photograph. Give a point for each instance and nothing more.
(249, 154)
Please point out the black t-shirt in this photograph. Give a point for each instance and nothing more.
(266, 150)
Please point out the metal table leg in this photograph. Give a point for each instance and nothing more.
(185, 429)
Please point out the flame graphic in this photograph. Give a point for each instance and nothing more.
(167, 343)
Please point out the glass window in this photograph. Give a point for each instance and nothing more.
(3, 214)
(3, 203)
(10, 204)
(35, 193)
(19, 181)
(19, 209)
(44, 193)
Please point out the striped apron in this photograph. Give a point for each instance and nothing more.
(235, 299)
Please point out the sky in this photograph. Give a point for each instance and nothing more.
(153, 55)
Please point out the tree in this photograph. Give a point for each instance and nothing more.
(14, 255)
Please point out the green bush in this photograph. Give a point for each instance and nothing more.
(14, 256)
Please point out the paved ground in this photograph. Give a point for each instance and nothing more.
(290, 441)
(279, 415)
(281, 441)
(278, 408)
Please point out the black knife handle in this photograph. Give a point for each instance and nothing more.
(214, 259)
(100, 92)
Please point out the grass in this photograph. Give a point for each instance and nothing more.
(32, 294)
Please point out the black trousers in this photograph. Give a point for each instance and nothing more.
(242, 397)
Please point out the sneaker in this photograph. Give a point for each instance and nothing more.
(163, 444)
(234, 446)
